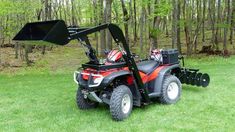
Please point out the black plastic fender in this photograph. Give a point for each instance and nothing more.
(105, 82)
(109, 79)
(159, 80)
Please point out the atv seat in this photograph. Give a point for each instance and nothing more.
(147, 66)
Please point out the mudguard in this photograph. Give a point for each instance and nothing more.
(108, 79)
(159, 80)
(105, 82)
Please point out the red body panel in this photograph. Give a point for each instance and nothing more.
(145, 78)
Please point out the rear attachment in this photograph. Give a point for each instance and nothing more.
(193, 77)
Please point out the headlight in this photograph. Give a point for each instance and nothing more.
(98, 80)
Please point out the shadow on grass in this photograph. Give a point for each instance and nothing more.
(193, 88)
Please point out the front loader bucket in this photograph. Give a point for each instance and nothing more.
(50, 31)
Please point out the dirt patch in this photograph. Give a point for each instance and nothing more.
(209, 50)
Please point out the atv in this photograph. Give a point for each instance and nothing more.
(119, 80)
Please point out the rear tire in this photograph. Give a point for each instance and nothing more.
(171, 90)
(121, 103)
(84, 103)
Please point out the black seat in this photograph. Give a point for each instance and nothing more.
(147, 66)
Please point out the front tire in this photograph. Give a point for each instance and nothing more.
(171, 90)
(121, 103)
(84, 103)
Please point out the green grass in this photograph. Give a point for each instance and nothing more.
(44, 100)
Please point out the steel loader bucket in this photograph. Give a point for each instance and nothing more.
(48, 31)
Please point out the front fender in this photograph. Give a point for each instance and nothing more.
(105, 82)
(110, 78)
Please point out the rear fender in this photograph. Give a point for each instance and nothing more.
(159, 80)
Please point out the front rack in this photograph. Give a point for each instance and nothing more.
(104, 67)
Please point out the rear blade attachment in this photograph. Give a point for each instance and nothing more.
(38, 33)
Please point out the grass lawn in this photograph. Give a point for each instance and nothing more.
(45, 101)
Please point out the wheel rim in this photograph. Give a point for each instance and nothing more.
(126, 103)
(173, 90)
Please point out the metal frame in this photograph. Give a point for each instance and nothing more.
(76, 73)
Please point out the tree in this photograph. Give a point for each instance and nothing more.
(96, 22)
(73, 13)
(102, 33)
(217, 27)
(135, 23)
(142, 21)
(176, 25)
(125, 20)
(203, 20)
(108, 20)
(198, 26)
(187, 28)
(232, 27)
(227, 22)
(211, 13)
(155, 30)
(47, 16)
(0, 44)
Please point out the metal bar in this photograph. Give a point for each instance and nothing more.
(85, 32)
(118, 36)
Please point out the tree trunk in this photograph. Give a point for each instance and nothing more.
(95, 10)
(217, 27)
(203, 21)
(195, 43)
(176, 25)
(16, 50)
(211, 13)
(74, 20)
(102, 33)
(154, 31)
(186, 29)
(0, 44)
(227, 22)
(135, 23)
(166, 27)
(27, 55)
(116, 12)
(232, 28)
(142, 28)
(108, 20)
(125, 19)
(47, 17)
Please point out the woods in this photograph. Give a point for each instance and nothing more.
(40, 91)
(187, 25)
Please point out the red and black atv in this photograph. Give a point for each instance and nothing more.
(118, 80)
